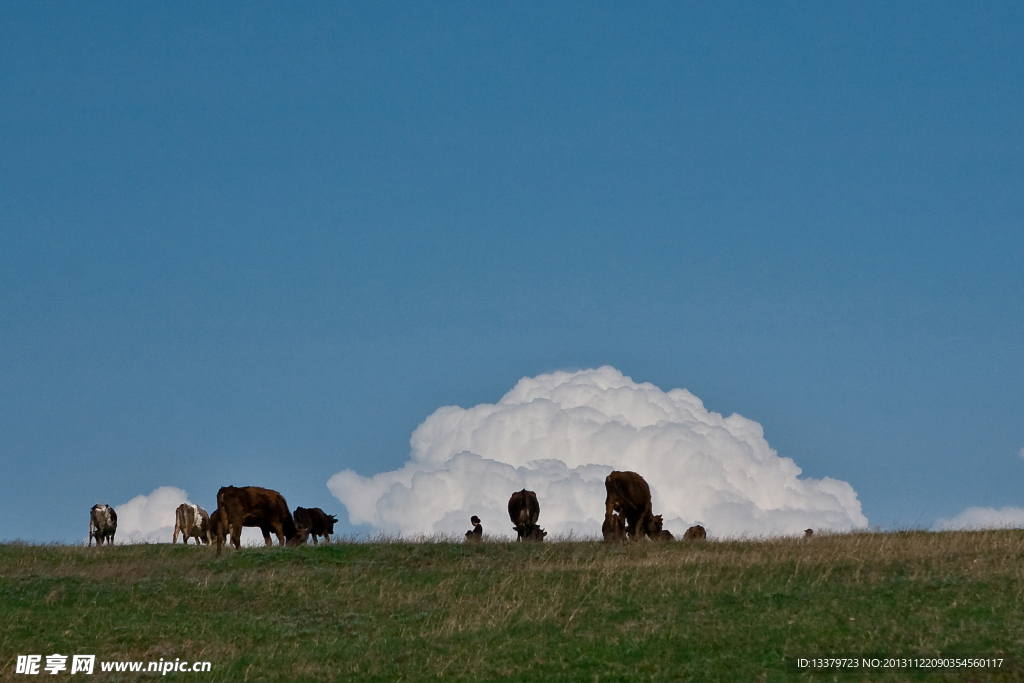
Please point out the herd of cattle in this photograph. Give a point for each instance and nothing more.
(628, 516)
(250, 506)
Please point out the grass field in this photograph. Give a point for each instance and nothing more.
(562, 611)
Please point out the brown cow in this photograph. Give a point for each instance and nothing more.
(475, 534)
(659, 534)
(629, 495)
(215, 525)
(614, 528)
(257, 507)
(808, 533)
(102, 524)
(695, 533)
(315, 522)
(193, 522)
(524, 511)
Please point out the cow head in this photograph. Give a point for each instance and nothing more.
(300, 537)
(656, 532)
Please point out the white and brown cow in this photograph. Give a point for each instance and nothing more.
(102, 524)
(191, 521)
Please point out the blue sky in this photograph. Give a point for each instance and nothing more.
(260, 244)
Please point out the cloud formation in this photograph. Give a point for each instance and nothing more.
(560, 435)
(983, 518)
(150, 518)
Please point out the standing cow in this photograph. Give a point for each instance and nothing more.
(102, 524)
(315, 522)
(253, 506)
(524, 511)
(630, 496)
(193, 522)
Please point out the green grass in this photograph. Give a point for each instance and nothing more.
(565, 611)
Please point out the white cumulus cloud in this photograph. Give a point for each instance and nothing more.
(560, 435)
(983, 518)
(150, 518)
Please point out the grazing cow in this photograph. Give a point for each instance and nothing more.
(257, 507)
(614, 528)
(215, 525)
(102, 524)
(695, 533)
(193, 522)
(629, 495)
(315, 522)
(477, 532)
(524, 511)
(659, 534)
(808, 533)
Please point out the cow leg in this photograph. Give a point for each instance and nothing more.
(314, 539)
(236, 536)
(279, 532)
(327, 538)
(646, 521)
(631, 522)
(174, 536)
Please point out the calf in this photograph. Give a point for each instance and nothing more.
(695, 533)
(315, 522)
(614, 528)
(193, 522)
(102, 524)
(659, 534)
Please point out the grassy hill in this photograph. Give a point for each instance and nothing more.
(563, 611)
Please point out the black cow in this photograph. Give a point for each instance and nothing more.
(316, 522)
